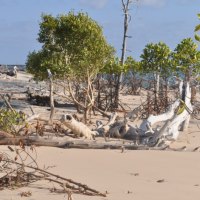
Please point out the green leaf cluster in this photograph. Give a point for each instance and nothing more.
(114, 66)
(156, 58)
(197, 28)
(39, 62)
(9, 118)
(186, 55)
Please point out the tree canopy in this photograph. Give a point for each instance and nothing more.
(73, 44)
(156, 58)
(115, 66)
(187, 56)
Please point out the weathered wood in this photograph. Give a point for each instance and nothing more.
(78, 128)
(32, 117)
(7, 103)
(153, 119)
(104, 129)
(170, 130)
(67, 142)
(178, 114)
(173, 128)
(101, 111)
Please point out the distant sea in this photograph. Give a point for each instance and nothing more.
(9, 67)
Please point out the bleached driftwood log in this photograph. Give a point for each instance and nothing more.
(78, 128)
(68, 142)
(104, 129)
(116, 128)
(173, 120)
(113, 128)
(147, 124)
(119, 129)
(184, 117)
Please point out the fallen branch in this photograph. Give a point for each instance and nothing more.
(20, 174)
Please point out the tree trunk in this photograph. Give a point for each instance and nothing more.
(86, 114)
(50, 76)
(51, 101)
(119, 77)
(157, 75)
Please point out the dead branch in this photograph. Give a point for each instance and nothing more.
(23, 172)
(7, 103)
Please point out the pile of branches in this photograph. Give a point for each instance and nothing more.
(21, 169)
(154, 106)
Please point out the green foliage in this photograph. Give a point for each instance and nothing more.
(197, 28)
(39, 62)
(114, 66)
(131, 64)
(156, 58)
(186, 55)
(197, 37)
(181, 108)
(9, 118)
(73, 44)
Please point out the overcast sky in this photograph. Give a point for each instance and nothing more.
(169, 21)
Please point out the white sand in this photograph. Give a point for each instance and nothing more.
(113, 171)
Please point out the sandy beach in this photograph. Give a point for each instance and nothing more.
(138, 175)
(128, 175)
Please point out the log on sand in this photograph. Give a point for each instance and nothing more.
(67, 142)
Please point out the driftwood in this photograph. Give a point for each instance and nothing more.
(153, 119)
(147, 135)
(174, 118)
(78, 128)
(6, 98)
(177, 115)
(67, 142)
(183, 117)
(104, 129)
(20, 172)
